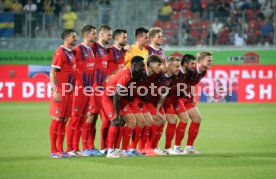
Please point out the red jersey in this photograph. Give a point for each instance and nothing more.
(100, 67)
(192, 78)
(85, 65)
(116, 59)
(121, 78)
(64, 61)
(154, 51)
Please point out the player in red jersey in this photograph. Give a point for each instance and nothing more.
(115, 87)
(156, 40)
(116, 52)
(84, 79)
(204, 62)
(100, 73)
(138, 118)
(154, 102)
(116, 61)
(172, 108)
(62, 79)
(191, 78)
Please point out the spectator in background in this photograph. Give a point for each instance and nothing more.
(58, 4)
(223, 9)
(268, 7)
(216, 28)
(30, 8)
(49, 11)
(16, 6)
(165, 11)
(239, 40)
(104, 9)
(267, 30)
(18, 17)
(69, 17)
(196, 6)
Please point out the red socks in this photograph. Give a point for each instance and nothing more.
(112, 133)
(60, 135)
(104, 133)
(160, 131)
(153, 137)
(91, 136)
(193, 131)
(126, 137)
(85, 135)
(71, 130)
(53, 135)
(180, 132)
(144, 138)
(169, 135)
(136, 136)
(119, 137)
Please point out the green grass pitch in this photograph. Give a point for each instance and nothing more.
(238, 141)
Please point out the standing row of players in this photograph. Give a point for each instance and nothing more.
(87, 80)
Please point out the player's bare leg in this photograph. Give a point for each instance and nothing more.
(195, 116)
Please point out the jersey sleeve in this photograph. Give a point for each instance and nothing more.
(124, 80)
(58, 60)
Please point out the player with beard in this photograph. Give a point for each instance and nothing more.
(100, 73)
(115, 88)
(172, 108)
(116, 61)
(84, 78)
(62, 79)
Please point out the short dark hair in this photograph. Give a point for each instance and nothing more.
(137, 59)
(66, 33)
(104, 28)
(187, 58)
(153, 58)
(87, 28)
(173, 59)
(118, 32)
(140, 31)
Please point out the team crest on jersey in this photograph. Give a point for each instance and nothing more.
(110, 114)
(125, 109)
(90, 106)
(76, 109)
(57, 111)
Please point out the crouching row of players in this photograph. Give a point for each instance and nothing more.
(132, 124)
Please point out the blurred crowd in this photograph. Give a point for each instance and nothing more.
(218, 22)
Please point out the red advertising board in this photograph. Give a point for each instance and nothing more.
(243, 83)
(24, 89)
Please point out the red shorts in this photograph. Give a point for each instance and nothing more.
(80, 102)
(187, 103)
(152, 108)
(124, 107)
(108, 107)
(172, 105)
(137, 105)
(63, 108)
(94, 104)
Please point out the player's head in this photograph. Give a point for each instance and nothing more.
(137, 65)
(154, 62)
(120, 36)
(69, 37)
(142, 36)
(105, 34)
(89, 33)
(156, 36)
(188, 62)
(205, 58)
(173, 65)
